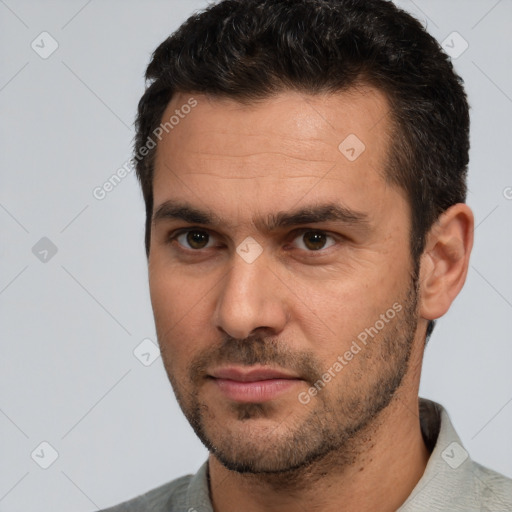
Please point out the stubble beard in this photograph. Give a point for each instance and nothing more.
(335, 429)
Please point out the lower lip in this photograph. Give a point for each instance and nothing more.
(254, 392)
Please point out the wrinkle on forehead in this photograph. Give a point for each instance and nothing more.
(277, 153)
(290, 124)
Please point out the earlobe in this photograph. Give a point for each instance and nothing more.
(445, 260)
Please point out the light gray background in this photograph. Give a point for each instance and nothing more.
(70, 325)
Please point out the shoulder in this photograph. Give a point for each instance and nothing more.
(452, 481)
(494, 489)
(167, 497)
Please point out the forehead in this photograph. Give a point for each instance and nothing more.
(276, 152)
(288, 121)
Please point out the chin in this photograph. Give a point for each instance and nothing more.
(258, 445)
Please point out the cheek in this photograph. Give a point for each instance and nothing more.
(178, 307)
(163, 291)
(174, 293)
(343, 299)
(332, 312)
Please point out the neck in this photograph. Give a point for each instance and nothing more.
(376, 471)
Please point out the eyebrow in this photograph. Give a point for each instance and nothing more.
(312, 214)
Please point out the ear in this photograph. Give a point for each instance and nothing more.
(445, 260)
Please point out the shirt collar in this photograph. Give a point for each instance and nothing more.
(449, 464)
(449, 468)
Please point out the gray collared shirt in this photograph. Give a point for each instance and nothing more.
(451, 481)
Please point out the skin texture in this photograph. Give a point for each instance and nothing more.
(301, 303)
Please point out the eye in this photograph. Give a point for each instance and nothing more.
(312, 240)
(195, 239)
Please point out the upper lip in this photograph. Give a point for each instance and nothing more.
(250, 374)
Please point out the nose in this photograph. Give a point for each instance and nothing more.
(251, 297)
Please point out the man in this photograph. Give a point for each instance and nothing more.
(303, 164)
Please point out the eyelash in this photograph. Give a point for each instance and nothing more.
(297, 233)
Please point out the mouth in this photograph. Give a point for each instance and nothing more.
(253, 385)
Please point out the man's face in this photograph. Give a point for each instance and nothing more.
(280, 273)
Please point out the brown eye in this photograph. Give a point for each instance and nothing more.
(194, 239)
(314, 240)
(197, 239)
